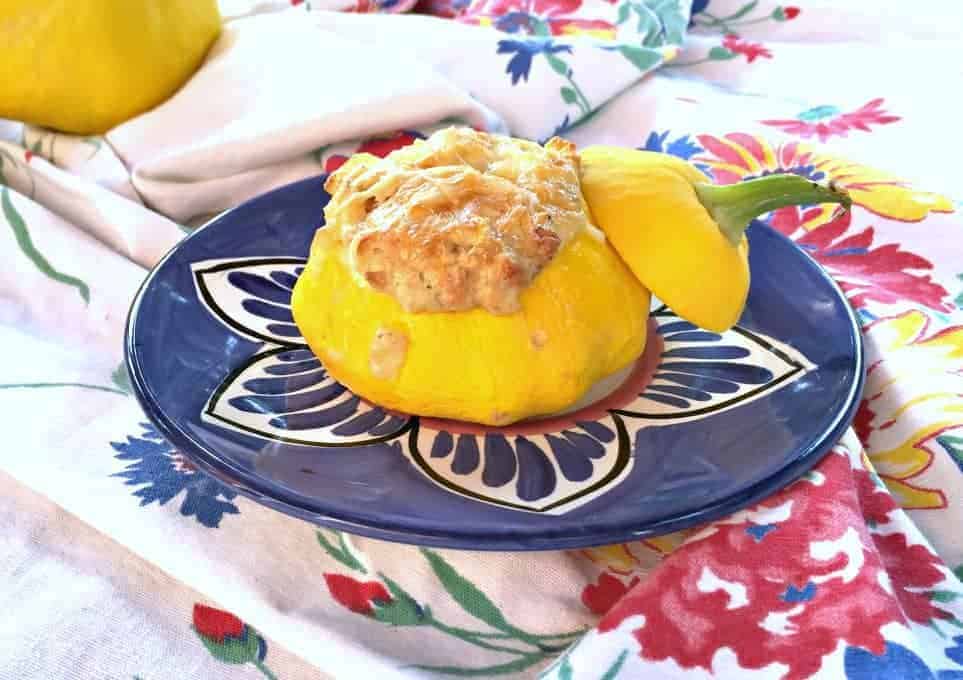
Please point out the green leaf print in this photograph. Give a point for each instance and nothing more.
(616, 666)
(464, 592)
(744, 10)
(559, 66)
(232, 650)
(476, 603)
(565, 670)
(954, 447)
(568, 95)
(22, 235)
(959, 298)
(649, 26)
(719, 53)
(959, 572)
(120, 378)
(641, 57)
(623, 14)
(403, 610)
(944, 595)
(674, 19)
(342, 553)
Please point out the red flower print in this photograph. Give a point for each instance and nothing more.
(749, 50)
(798, 571)
(525, 16)
(785, 13)
(863, 421)
(601, 596)
(229, 639)
(883, 273)
(827, 121)
(216, 624)
(912, 566)
(377, 146)
(358, 596)
(876, 503)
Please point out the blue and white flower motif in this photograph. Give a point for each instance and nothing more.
(524, 50)
(550, 465)
(162, 474)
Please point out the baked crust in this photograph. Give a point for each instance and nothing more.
(460, 220)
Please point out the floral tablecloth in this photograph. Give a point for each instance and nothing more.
(120, 560)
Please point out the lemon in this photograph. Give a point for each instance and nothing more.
(84, 67)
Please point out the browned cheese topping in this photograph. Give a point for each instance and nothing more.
(460, 220)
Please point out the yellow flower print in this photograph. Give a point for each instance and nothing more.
(737, 156)
(627, 558)
(912, 396)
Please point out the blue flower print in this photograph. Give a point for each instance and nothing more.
(683, 146)
(896, 663)
(520, 64)
(163, 474)
(955, 653)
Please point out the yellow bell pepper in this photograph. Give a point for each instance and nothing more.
(84, 67)
(681, 235)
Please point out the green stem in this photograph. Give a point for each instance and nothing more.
(676, 64)
(265, 670)
(558, 636)
(28, 386)
(583, 102)
(746, 22)
(471, 637)
(734, 206)
(713, 22)
(474, 637)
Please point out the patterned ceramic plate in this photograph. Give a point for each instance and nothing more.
(703, 425)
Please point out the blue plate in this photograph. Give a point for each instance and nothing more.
(704, 425)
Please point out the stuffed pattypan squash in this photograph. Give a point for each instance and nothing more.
(462, 277)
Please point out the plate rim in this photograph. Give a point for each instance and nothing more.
(248, 484)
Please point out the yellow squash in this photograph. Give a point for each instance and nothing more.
(681, 235)
(582, 318)
(84, 67)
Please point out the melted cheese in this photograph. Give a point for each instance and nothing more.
(461, 220)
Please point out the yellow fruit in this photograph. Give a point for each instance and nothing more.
(583, 318)
(84, 67)
(681, 235)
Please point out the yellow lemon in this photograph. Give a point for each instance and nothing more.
(84, 67)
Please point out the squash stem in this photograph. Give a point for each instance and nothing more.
(734, 206)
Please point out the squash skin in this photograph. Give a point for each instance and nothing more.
(646, 205)
(583, 318)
